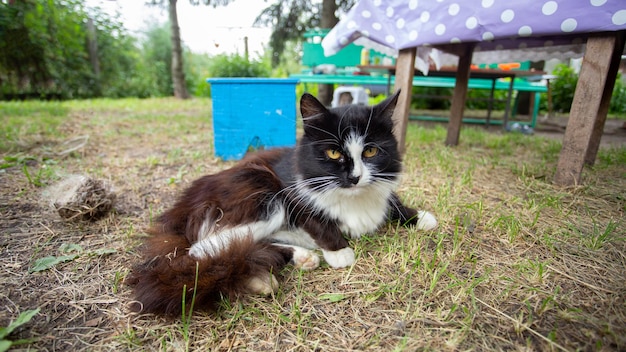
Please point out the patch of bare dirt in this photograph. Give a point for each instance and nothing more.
(554, 127)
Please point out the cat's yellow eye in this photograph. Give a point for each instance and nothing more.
(370, 152)
(333, 154)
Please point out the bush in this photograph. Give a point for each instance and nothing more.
(479, 99)
(233, 65)
(563, 87)
(428, 98)
(237, 66)
(618, 99)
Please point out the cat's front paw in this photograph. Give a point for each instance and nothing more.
(305, 259)
(339, 259)
(425, 221)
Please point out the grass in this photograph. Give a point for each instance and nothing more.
(517, 263)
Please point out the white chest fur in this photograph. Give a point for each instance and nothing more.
(358, 210)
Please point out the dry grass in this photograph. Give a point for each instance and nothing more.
(516, 264)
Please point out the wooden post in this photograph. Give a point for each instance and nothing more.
(598, 128)
(589, 107)
(92, 48)
(405, 68)
(460, 92)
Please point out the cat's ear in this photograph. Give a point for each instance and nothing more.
(387, 106)
(311, 107)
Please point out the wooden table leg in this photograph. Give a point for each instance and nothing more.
(589, 107)
(605, 102)
(507, 110)
(405, 66)
(550, 113)
(490, 106)
(459, 94)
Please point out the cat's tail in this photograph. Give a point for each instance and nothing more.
(164, 283)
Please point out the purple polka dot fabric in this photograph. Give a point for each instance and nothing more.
(495, 24)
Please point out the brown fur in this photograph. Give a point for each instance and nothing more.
(233, 196)
(168, 270)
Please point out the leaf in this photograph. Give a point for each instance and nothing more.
(70, 247)
(332, 297)
(5, 345)
(22, 319)
(46, 263)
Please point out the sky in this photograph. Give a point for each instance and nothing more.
(204, 29)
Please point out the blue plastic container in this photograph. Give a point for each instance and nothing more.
(252, 113)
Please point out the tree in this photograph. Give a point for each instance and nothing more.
(291, 18)
(43, 49)
(178, 72)
(328, 20)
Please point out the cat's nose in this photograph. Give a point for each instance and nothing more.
(354, 179)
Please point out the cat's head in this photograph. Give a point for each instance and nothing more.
(351, 146)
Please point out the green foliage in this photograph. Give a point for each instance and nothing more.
(563, 87)
(157, 52)
(431, 98)
(125, 73)
(237, 66)
(50, 59)
(290, 60)
(290, 19)
(233, 65)
(69, 252)
(43, 51)
(618, 99)
(196, 73)
(479, 99)
(44, 54)
(40, 40)
(434, 98)
(22, 319)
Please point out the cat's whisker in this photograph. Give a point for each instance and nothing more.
(298, 192)
(386, 177)
(369, 120)
(321, 130)
(253, 195)
(346, 131)
(322, 142)
(339, 131)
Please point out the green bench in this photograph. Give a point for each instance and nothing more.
(520, 85)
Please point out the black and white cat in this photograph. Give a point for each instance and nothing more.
(231, 232)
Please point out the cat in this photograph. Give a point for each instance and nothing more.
(234, 231)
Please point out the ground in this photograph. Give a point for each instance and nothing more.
(517, 263)
(554, 127)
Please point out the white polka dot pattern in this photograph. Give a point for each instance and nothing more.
(507, 16)
(549, 8)
(619, 18)
(511, 24)
(453, 10)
